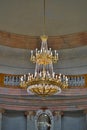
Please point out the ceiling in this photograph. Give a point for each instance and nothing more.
(21, 24)
(26, 17)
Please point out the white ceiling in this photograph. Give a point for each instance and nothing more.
(26, 16)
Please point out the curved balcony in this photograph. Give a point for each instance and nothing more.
(15, 98)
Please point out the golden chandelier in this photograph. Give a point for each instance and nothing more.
(44, 82)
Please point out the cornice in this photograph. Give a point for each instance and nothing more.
(22, 104)
(32, 42)
(12, 99)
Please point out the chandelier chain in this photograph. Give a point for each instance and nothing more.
(44, 18)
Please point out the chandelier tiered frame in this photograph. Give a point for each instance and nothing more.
(44, 82)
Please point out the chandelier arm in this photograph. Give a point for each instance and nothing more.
(48, 91)
(37, 92)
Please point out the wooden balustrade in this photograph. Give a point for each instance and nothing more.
(13, 81)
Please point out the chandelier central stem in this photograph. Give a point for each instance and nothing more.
(44, 19)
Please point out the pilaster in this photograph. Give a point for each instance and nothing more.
(30, 120)
(1, 112)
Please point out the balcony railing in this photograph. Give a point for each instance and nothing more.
(75, 81)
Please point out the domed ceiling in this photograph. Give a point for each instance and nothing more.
(26, 17)
(21, 24)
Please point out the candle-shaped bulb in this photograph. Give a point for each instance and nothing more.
(41, 50)
(21, 78)
(24, 77)
(55, 52)
(56, 76)
(36, 51)
(53, 74)
(57, 55)
(50, 49)
(31, 52)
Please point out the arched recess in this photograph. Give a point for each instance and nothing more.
(44, 120)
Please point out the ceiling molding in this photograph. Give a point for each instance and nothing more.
(32, 42)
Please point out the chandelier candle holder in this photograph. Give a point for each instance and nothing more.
(44, 56)
(44, 82)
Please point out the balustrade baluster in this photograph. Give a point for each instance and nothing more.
(73, 81)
